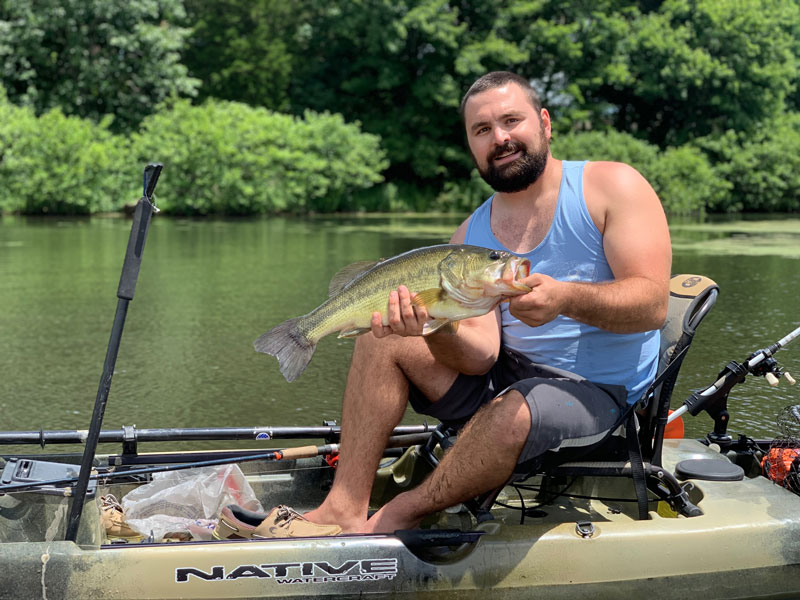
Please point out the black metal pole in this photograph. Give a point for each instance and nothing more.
(127, 286)
(180, 434)
(398, 441)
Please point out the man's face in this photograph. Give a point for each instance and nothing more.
(509, 140)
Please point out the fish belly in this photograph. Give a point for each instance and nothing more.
(352, 308)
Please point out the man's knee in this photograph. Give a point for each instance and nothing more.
(508, 418)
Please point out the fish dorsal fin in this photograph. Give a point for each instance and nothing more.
(427, 298)
(348, 274)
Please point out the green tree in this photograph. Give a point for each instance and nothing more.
(389, 64)
(690, 68)
(664, 71)
(242, 50)
(686, 182)
(608, 145)
(682, 177)
(763, 168)
(93, 58)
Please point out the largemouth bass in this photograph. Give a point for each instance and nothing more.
(452, 281)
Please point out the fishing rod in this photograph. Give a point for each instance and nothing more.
(127, 286)
(397, 441)
(130, 435)
(714, 398)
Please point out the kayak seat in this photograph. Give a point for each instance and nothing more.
(625, 453)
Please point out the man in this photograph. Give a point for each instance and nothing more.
(600, 255)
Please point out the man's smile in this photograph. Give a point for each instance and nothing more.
(507, 157)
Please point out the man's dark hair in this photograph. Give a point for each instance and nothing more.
(497, 79)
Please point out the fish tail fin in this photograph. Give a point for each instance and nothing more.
(289, 345)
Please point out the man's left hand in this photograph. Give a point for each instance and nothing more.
(542, 304)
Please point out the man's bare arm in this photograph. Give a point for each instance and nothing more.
(637, 247)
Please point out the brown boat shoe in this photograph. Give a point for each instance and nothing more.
(281, 522)
(113, 519)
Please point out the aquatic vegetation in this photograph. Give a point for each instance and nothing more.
(742, 237)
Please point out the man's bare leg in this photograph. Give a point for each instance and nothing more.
(374, 402)
(482, 459)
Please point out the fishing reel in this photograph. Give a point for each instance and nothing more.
(714, 399)
(772, 372)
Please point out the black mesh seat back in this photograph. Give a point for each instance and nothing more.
(691, 297)
(687, 293)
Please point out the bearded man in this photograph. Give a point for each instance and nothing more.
(548, 370)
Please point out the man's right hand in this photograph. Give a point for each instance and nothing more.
(405, 319)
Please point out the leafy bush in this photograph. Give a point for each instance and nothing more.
(682, 177)
(606, 145)
(398, 196)
(58, 164)
(762, 168)
(686, 182)
(463, 195)
(92, 58)
(227, 157)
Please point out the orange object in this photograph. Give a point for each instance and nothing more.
(674, 428)
(782, 465)
(332, 459)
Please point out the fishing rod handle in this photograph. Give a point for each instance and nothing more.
(139, 228)
(151, 173)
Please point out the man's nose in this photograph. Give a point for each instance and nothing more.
(501, 136)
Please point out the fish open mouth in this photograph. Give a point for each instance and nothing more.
(523, 269)
(515, 271)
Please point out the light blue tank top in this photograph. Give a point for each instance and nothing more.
(572, 250)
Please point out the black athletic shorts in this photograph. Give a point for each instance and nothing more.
(569, 414)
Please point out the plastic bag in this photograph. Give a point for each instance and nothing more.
(185, 501)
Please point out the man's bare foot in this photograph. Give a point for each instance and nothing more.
(395, 515)
(324, 516)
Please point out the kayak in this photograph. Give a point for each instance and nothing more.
(547, 538)
(718, 523)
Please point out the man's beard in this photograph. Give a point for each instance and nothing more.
(519, 174)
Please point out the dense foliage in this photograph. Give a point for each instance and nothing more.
(58, 164)
(93, 58)
(683, 177)
(701, 96)
(242, 50)
(230, 158)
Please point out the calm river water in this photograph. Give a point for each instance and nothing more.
(208, 288)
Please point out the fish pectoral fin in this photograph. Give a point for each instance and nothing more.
(442, 325)
(427, 298)
(348, 274)
(351, 333)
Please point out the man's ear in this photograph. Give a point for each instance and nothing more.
(544, 118)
